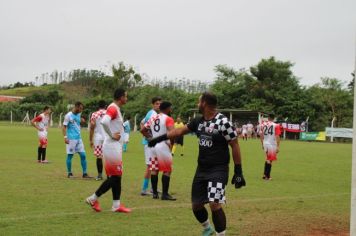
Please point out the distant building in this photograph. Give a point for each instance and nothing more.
(4, 98)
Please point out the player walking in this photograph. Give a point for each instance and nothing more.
(160, 155)
(270, 140)
(112, 151)
(215, 134)
(96, 137)
(156, 101)
(73, 139)
(40, 122)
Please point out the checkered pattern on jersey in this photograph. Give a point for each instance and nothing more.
(97, 114)
(154, 164)
(221, 124)
(216, 192)
(98, 150)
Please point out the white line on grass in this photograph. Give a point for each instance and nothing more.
(183, 205)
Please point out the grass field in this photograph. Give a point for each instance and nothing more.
(309, 193)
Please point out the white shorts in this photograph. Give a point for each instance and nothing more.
(98, 148)
(126, 137)
(112, 152)
(42, 134)
(161, 158)
(271, 152)
(75, 146)
(147, 151)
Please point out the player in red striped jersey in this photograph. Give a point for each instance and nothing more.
(40, 122)
(269, 135)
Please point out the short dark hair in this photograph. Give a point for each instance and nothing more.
(271, 115)
(164, 105)
(155, 99)
(209, 98)
(119, 93)
(46, 108)
(101, 104)
(128, 117)
(78, 104)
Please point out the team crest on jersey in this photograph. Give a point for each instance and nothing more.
(200, 127)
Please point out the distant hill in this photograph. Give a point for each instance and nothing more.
(28, 91)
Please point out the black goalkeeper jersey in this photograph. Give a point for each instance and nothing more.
(214, 136)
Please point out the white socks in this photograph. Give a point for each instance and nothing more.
(206, 224)
(93, 197)
(115, 204)
(221, 233)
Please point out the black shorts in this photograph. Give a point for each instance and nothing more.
(179, 140)
(209, 186)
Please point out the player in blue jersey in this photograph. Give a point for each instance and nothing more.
(73, 139)
(127, 130)
(156, 102)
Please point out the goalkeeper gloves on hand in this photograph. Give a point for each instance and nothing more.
(238, 178)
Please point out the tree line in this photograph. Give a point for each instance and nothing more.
(269, 86)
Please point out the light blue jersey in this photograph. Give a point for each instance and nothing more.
(72, 121)
(127, 127)
(147, 117)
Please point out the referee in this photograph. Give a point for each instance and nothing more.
(215, 133)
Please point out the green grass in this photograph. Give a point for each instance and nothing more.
(310, 191)
(27, 91)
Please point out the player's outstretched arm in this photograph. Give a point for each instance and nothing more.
(238, 179)
(170, 135)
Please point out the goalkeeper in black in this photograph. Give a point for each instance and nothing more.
(216, 134)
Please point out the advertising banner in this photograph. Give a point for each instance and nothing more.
(338, 132)
(312, 136)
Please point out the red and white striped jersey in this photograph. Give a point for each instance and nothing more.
(270, 130)
(97, 117)
(158, 124)
(42, 121)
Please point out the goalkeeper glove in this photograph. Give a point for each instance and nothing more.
(238, 178)
(154, 141)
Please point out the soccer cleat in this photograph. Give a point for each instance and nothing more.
(38, 161)
(155, 196)
(99, 177)
(94, 204)
(208, 231)
(44, 162)
(168, 197)
(70, 175)
(145, 193)
(266, 178)
(86, 176)
(158, 191)
(121, 209)
(181, 154)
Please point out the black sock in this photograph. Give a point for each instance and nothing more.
(219, 220)
(201, 215)
(39, 152)
(154, 182)
(43, 154)
(269, 170)
(165, 184)
(115, 182)
(99, 165)
(265, 171)
(104, 187)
